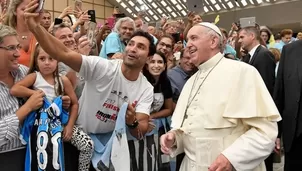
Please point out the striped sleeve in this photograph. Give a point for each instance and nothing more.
(9, 128)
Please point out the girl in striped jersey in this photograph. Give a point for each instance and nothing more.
(43, 75)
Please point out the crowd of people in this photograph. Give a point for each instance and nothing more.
(199, 97)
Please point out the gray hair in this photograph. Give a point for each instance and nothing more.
(213, 33)
(6, 31)
(119, 23)
(55, 28)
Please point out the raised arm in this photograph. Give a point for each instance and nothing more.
(22, 88)
(52, 46)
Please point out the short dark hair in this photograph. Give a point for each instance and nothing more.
(146, 35)
(254, 30)
(59, 26)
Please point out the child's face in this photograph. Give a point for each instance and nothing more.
(46, 64)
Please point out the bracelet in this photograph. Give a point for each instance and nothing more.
(133, 125)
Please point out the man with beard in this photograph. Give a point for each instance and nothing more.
(109, 83)
(225, 119)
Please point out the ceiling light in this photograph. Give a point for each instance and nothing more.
(163, 2)
(123, 5)
(169, 9)
(230, 4)
(155, 17)
(217, 7)
(213, 1)
(131, 3)
(154, 5)
(147, 18)
(243, 2)
(159, 10)
(174, 1)
(251, 1)
(129, 10)
(178, 7)
(183, 12)
(174, 15)
(259, 1)
(205, 9)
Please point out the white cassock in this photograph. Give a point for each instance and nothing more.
(231, 113)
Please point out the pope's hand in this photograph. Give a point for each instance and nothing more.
(166, 141)
(221, 164)
(32, 18)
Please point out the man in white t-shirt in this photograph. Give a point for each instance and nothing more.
(109, 83)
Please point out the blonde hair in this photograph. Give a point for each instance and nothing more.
(6, 31)
(11, 14)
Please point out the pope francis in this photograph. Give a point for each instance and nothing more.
(225, 118)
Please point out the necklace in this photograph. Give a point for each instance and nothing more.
(191, 100)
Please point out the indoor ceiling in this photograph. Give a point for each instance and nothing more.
(155, 9)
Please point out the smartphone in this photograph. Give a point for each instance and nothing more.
(41, 5)
(58, 21)
(92, 15)
(158, 25)
(78, 5)
(122, 15)
(195, 6)
(91, 27)
(145, 27)
(248, 21)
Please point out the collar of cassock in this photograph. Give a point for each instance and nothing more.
(210, 63)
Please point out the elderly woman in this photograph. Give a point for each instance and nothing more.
(116, 40)
(15, 19)
(12, 112)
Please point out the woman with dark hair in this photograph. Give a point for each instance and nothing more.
(265, 35)
(162, 107)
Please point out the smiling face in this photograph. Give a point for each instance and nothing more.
(65, 35)
(136, 52)
(9, 56)
(156, 65)
(199, 44)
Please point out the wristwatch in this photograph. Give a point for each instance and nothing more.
(133, 125)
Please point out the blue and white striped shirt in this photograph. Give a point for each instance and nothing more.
(9, 123)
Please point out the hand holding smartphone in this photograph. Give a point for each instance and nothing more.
(41, 5)
(91, 27)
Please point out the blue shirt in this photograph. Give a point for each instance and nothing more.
(279, 45)
(178, 78)
(229, 50)
(112, 44)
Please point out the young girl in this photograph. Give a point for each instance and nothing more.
(43, 75)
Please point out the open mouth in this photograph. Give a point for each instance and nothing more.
(131, 56)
